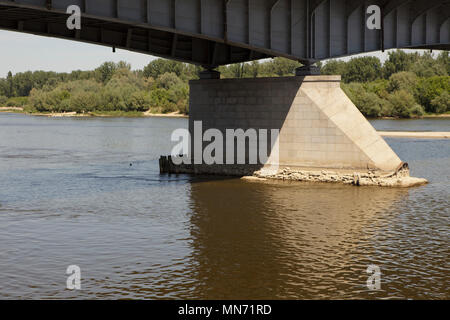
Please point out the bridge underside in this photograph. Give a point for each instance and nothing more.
(219, 32)
(153, 41)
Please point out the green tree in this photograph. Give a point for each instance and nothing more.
(441, 103)
(367, 102)
(333, 67)
(444, 60)
(160, 100)
(426, 66)
(404, 105)
(168, 80)
(160, 66)
(398, 61)
(403, 81)
(140, 101)
(106, 71)
(363, 69)
(279, 67)
(3, 100)
(430, 88)
(10, 87)
(253, 69)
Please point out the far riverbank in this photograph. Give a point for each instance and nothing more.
(135, 114)
(106, 114)
(410, 134)
(384, 132)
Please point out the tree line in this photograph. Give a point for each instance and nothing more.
(406, 85)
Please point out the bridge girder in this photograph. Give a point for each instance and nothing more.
(219, 32)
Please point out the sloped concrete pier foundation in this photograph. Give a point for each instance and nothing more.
(321, 130)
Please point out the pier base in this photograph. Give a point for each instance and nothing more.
(320, 128)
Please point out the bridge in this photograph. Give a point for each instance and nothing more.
(219, 32)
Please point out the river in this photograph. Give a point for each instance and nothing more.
(87, 192)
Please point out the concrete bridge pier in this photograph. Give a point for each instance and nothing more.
(320, 129)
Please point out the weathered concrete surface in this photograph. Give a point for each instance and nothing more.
(400, 178)
(319, 126)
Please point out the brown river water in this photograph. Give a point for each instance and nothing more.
(88, 192)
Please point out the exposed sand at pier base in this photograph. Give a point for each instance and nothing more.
(399, 179)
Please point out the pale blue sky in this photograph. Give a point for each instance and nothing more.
(25, 52)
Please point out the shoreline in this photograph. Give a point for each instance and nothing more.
(113, 114)
(147, 114)
(427, 116)
(412, 134)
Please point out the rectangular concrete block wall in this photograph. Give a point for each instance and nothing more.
(309, 137)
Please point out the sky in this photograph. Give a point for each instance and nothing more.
(22, 52)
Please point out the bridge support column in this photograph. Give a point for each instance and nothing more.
(307, 70)
(209, 74)
(319, 127)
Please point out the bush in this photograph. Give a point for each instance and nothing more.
(426, 66)
(398, 61)
(333, 67)
(403, 81)
(367, 102)
(416, 111)
(81, 102)
(160, 100)
(430, 88)
(140, 101)
(3, 100)
(362, 70)
(18, 102)
(168, 80)
(158, 67)
(37, 101)
(404, 105)
(441, 104)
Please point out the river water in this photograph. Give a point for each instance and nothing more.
(88, 192)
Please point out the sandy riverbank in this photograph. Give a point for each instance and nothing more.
(146, 114)
(165, 115)
(423, 135)
(12, 109)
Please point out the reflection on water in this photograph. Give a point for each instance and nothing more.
(68, 195)
(289, 241)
